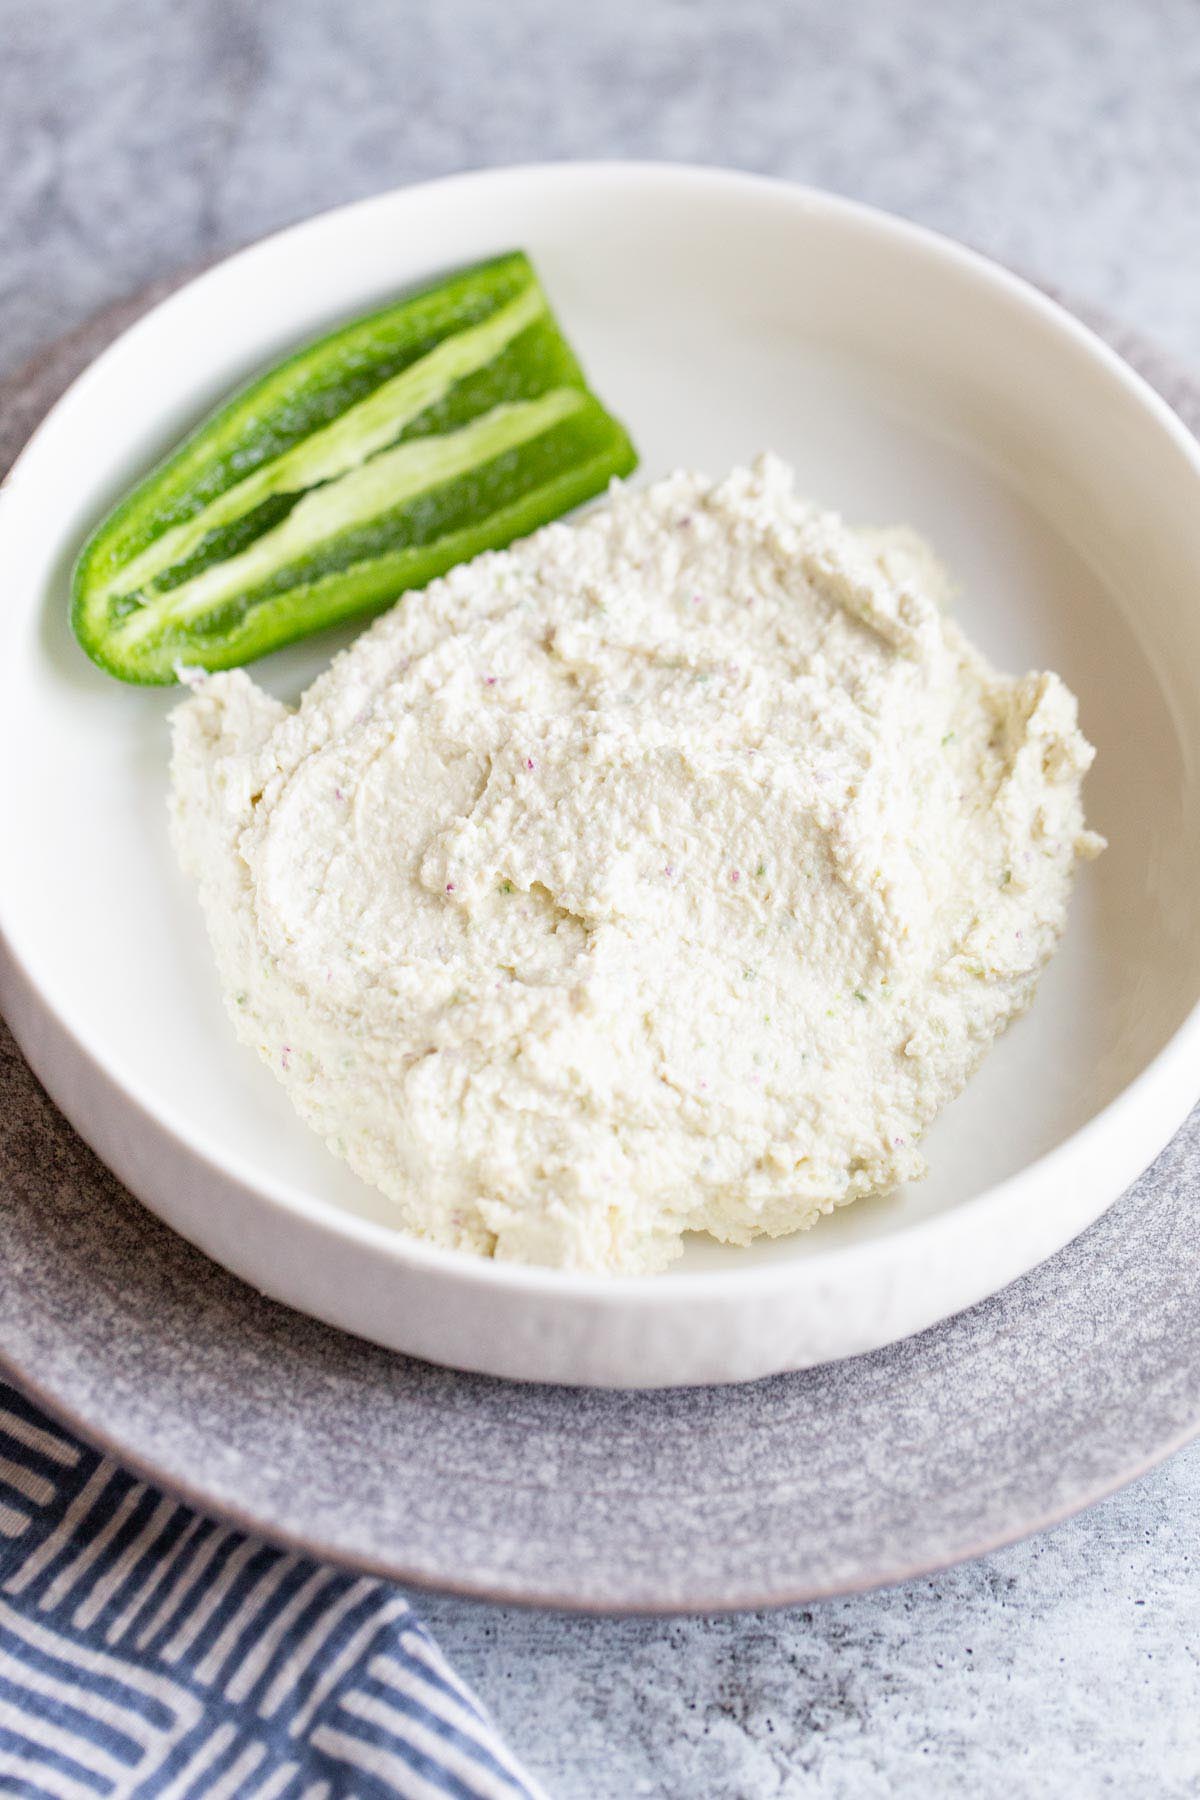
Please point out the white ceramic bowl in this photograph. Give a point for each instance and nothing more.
(719, 314)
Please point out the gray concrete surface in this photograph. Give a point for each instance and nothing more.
(136, 135)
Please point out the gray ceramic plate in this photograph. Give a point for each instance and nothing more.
(1067, 1384)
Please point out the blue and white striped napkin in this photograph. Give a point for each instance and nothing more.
(145, 1651)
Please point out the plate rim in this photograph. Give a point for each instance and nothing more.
(561, 1601)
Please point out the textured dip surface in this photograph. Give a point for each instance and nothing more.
(669, 871)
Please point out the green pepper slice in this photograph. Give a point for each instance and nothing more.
(369, 462)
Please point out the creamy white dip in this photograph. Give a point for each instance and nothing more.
(667, 872)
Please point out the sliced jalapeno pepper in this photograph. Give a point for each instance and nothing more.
(449, 423)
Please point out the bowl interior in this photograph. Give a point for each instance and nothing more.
(718, 317)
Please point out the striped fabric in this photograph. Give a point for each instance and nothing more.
(145, 1651)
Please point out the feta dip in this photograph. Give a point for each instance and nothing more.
(666, 872)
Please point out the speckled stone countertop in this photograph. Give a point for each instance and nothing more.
(139, 135)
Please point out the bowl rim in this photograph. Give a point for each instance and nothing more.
(1161, 1092)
